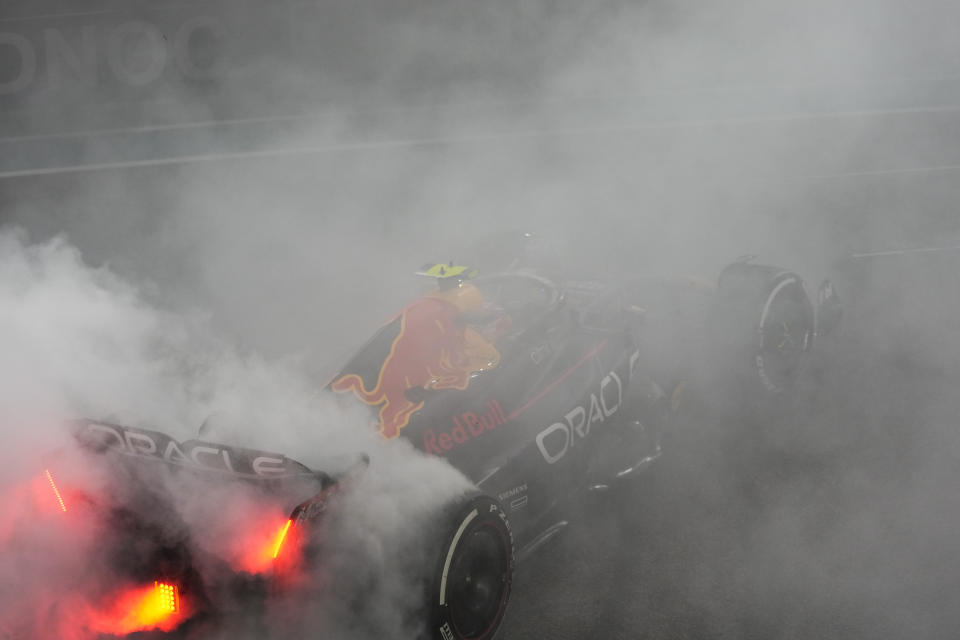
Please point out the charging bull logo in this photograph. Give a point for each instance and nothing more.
(434, 350)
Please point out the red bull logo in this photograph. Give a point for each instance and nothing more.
(466, 427)
(431, 351)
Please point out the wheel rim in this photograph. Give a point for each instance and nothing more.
(478, 582)
(785, 334)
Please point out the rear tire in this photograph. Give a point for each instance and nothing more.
(471, 583)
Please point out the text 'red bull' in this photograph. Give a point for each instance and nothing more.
(466, 427)
(432, 351)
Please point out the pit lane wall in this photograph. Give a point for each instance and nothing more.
(106, 63)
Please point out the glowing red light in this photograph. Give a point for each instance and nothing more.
(280, 538)
(56, 492)
(140, 609)
(254, 547)
(168, 596)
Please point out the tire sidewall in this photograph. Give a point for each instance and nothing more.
(788, 287)
(748, 294)
(462, 519)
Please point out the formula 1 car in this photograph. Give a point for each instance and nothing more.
(534, 390)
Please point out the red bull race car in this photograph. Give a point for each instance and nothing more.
(533, 389)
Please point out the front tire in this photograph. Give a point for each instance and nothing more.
(766, 315)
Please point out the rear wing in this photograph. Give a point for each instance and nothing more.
(197, 455)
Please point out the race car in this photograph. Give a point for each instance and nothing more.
(535, 390)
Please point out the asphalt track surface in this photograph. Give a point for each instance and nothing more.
(838, 522)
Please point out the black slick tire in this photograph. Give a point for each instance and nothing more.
(474, 571)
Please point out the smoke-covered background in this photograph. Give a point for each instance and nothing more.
(205, 204)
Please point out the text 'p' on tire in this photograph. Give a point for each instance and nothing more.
(471, 585)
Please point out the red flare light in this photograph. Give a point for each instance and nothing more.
(141, 609)
(168, 596)
(280, 538)
(255, 549)
(56, 492)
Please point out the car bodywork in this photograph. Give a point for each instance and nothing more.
(534, 391)
(522, 430)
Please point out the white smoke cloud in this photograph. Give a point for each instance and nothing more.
(79, 341)
(300, 255)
